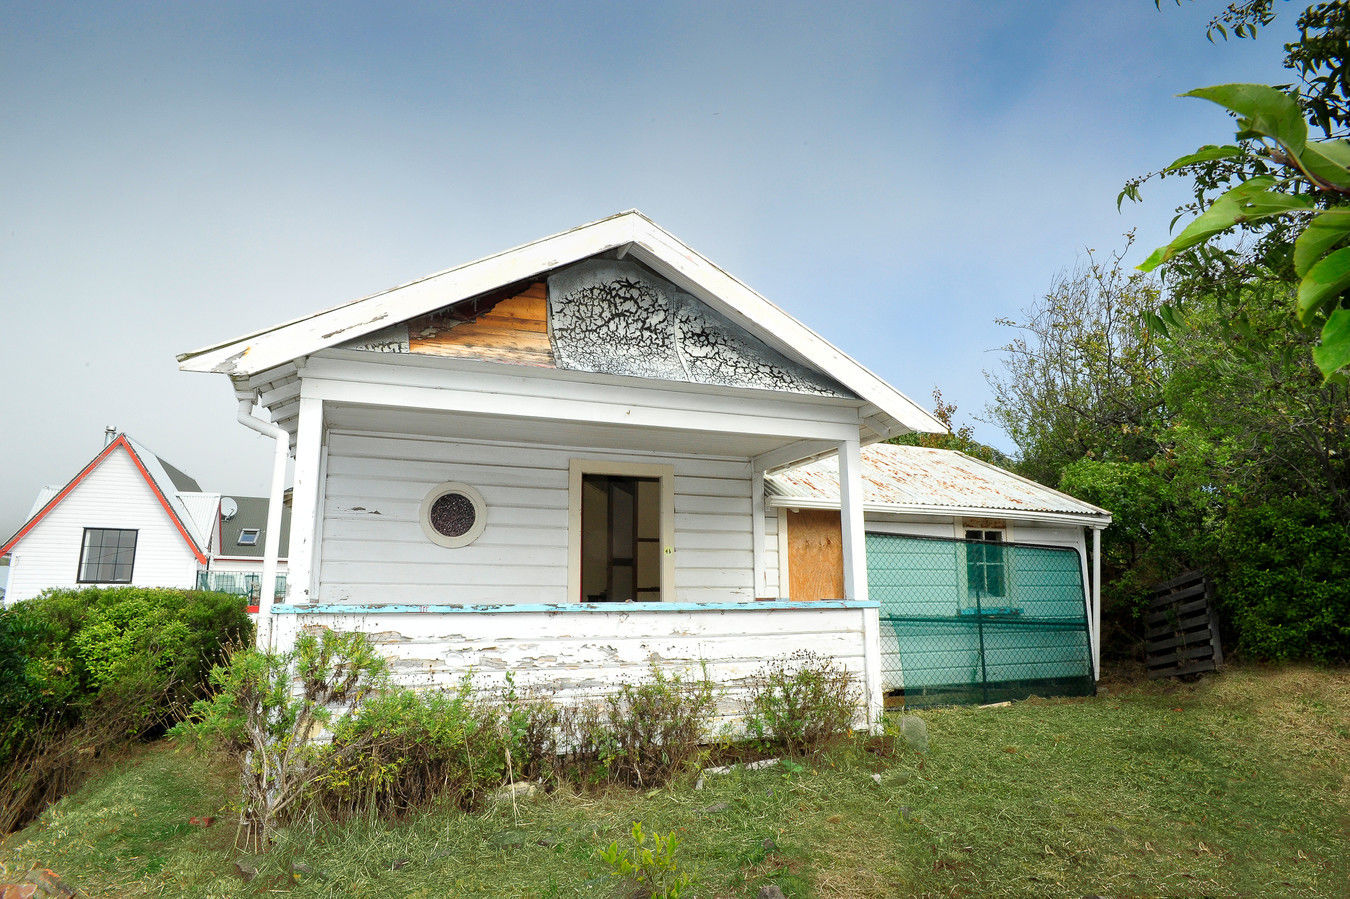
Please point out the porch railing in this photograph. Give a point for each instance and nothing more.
(240, 584)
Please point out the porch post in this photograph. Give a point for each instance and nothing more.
(759, 550)
(304, 500)
(851, 519)
(272, 543)
(1097, 603)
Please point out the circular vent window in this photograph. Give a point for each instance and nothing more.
(453, 515)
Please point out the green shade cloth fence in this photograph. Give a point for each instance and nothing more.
(966, 621)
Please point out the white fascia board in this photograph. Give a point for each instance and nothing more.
(282, 343)
(796, 502)
(669, 256)
(643, 239)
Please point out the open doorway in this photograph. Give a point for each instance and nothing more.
(620, 538)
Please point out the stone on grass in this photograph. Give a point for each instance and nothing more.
(245, 869)
(18, 891)
(914, 731)
(48, 883)
(770, 891)
(517, 790)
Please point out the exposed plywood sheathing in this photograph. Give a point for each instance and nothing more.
(815, 553)
(502, 329)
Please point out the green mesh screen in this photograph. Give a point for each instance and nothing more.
(966, 621)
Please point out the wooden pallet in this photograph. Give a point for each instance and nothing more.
(1181, 631)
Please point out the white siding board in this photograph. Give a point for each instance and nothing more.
(580, 656)
(374, 551)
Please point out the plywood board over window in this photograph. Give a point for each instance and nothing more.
(816, 550)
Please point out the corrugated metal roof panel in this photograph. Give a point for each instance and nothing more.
(201, 509)
(44, 496)
(914, 476)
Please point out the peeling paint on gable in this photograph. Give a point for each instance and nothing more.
(616, 317)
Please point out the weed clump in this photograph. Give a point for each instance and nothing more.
(416, 748)
(641, 735)
(801, 703)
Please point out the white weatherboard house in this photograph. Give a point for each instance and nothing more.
(551, 462)
(130, 518)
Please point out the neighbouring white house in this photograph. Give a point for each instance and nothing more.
(552, 462)
(130, 518)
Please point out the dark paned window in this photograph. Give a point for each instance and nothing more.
(985, 574)
(107, 556)
(248, 537)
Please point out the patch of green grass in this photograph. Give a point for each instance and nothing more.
(1234, 786)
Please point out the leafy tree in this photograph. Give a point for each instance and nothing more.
(1288, 194)
(1081, 379)
(960, 438)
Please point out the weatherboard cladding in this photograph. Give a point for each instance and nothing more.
(919, 477)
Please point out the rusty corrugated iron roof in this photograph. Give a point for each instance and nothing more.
(913, 478)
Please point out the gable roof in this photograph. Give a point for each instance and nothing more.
(921, 480)
(251, 514)
(630, 233)
(151, 467)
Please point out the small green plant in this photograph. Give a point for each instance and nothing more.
(802, 703)
(649, 864)
(268, 709)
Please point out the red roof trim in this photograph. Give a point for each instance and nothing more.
(107, 451)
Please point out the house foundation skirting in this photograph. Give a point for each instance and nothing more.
(579, 652)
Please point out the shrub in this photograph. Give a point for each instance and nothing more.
(82, 671)
(1284, 582)
(416, 747)
(259, 716)
(641, 735)
(649, 865)
(802, 702)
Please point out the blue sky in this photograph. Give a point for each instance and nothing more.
(897, 175)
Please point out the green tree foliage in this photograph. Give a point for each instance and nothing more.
(1081, 379)
(1226, 420)
(959, 438)
(1288, 193)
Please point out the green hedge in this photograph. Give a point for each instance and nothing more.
(1285, 586)
(65, 651)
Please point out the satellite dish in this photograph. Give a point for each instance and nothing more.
(228, 508)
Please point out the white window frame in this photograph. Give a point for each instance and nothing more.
(240, 541)
(479, 511)
(665, 474)
(965, 563)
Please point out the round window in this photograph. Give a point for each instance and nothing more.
(453, 515)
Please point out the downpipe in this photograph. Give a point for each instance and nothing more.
(272, 544)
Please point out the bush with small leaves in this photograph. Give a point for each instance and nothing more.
(803, 702)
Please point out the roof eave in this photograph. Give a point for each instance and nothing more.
(1084, 519)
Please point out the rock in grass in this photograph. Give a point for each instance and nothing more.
(914, 731)
(770, 891)
(48, 883)
(715, 808)
(300, 869)
(517, 790)
(246, 869)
